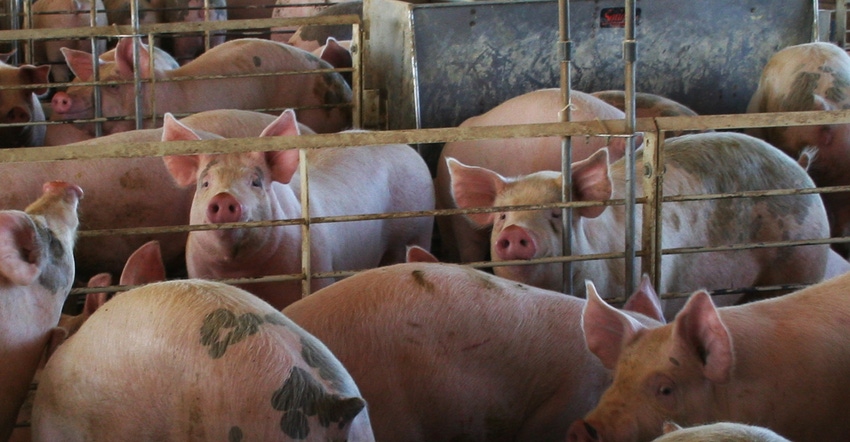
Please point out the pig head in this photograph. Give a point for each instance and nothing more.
(18, 106)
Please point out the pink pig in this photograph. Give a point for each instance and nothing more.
(779, 363)
(195, 360)
(36, 273)
(65, 14)
(21, 105)
(120, 189)
(810, 77)
(241, 56)
(719, 431)
(515, 156)
(447, 352)
(694, 164)
(267, 186)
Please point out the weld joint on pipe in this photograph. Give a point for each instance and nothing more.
(630, 50)
(565, 50)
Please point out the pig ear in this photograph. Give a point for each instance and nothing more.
(93, 302)
(283, 163)
(57, 336)
(183, 168)
(699, 328)
(124, 59)
(79, 62)
(5, 56)
(19, 253)
(335, 54)
(670, 426)
(35, 75)
(591, 182)
(474, 187)
(144, 266)
(645, 301)
(418, 254)
(606, 330)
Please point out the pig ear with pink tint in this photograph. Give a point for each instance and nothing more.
(418, 254)
(183, 168)
(5, 56)
(474, 187)
(19, 257)
(35, 75)
(283, 163)
(591, 182)
(80, 63)
(124, 59)
(144, 266)
(699, 328)
(645, 301)
(606, 330)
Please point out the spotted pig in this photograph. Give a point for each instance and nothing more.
(195, 360)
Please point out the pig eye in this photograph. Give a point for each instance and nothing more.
(556, 214)
(665, 390)
(256, 182)
(205, 184)
(502, 216)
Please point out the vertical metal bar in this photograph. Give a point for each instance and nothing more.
(565, 54)
(137, 76)
(306, 269)
(630, 57)
(356, 77)
(841, 23)
(206, 19)
(98, 109)
(15, 9)
(29, 56)
(653, 163)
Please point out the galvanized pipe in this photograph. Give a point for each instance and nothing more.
(630, 58)
(565, 53)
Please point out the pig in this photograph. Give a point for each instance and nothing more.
(187, 47)
(809, 77)
(446, 352)
(312, 37)
(67, 133)
(122, 190)
(649, 106)
(195, 360)
(19, 106)
(779, 363)
(144, 266)
(118, 12)
(262, 186)
(297, 8)
(338, 55)
(462, 242)
(36, 273)
(65, 14)
(242, 56)
(695, 164)
(719, 431)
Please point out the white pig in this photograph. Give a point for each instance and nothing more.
(36, 273)
(22, 105)
(125, 192)
(809, 77)
(780, 363)
(719, 431)
(694, 164)
(241, 56)
(263, 186)
(447, 352)
(195, 360)
(515, 156)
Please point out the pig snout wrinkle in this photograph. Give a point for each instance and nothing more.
(224, 208)
(515, 243)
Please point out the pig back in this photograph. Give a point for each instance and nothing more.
(202, 359)
(432, 344)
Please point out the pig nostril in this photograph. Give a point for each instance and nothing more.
(231, 208)
(591, 431)
(523, 243)
(214, 208)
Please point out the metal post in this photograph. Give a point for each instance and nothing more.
(137, 76)
(841, 23)
(565, 54)
(630, 57)
(306, 268)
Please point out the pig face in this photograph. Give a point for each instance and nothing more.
(234, 187)
(662, 374)
(21, 105)
(529, 234)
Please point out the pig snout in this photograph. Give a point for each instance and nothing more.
(581, 431)
(514, 242)
(17, 115)
(61, 187)
(224, 208)
(61, 102)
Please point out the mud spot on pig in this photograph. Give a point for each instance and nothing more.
(133, 179)
(302, 396)
(419, 279)
(318, 359)
(235, 435)
(802, 92)
(257, 61)
(222, 328)
(58, 274)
